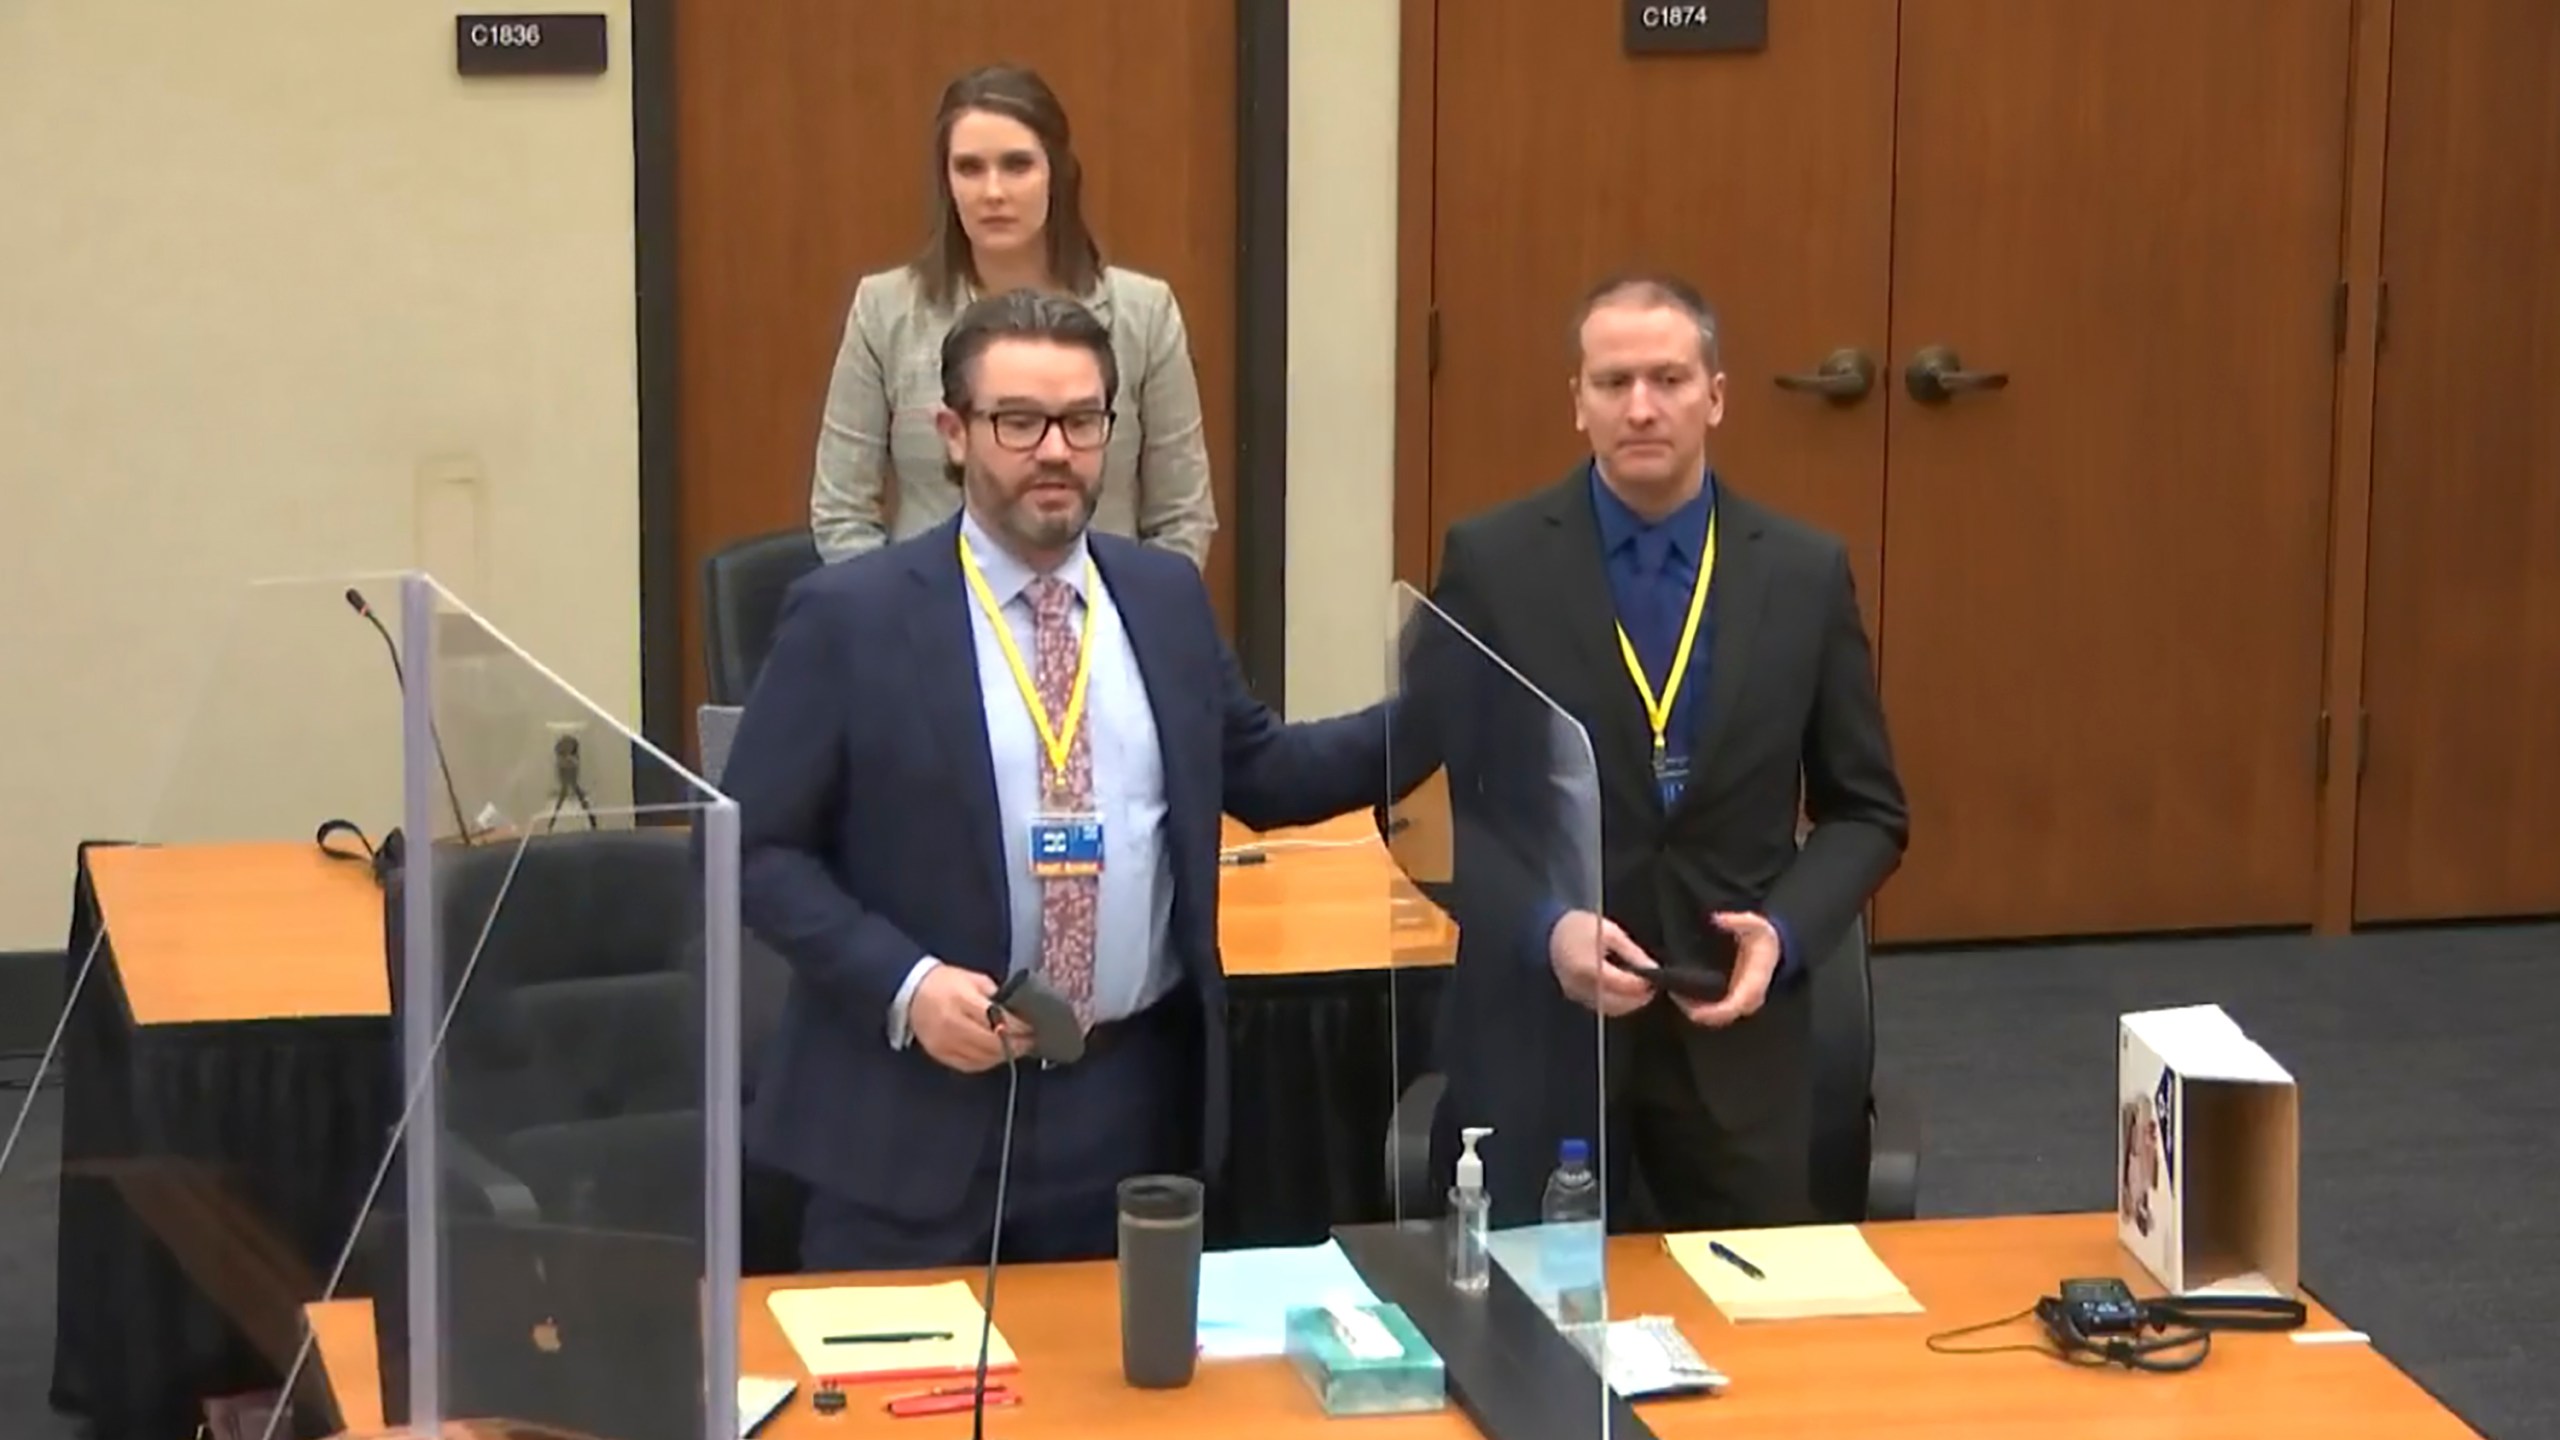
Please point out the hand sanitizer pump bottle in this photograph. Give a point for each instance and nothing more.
(1470, 1252)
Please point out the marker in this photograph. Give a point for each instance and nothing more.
(1736, 1261)
(890, 1337)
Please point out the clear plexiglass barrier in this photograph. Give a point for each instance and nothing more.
(397, 1081)
(1494, 814)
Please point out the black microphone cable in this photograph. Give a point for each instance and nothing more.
(995, 1240)
(356, 602)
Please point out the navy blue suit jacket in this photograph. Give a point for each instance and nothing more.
(869, 839)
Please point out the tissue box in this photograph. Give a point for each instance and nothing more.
(1365, 1360)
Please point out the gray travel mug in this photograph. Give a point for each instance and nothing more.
(1160, 1229)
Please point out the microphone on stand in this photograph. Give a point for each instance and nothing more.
(356, 602)
(1056, 1039)
(567, 786)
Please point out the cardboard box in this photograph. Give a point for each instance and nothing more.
(2208, 1154)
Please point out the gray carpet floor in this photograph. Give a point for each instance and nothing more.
(2430, 1098)
(27, 1197)
(2431, 1095)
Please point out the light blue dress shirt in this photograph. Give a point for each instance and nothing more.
(1132, 964)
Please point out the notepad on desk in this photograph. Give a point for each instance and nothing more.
(888, 1332)
(1806, 1271)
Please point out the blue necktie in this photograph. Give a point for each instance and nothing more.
(1653, 625)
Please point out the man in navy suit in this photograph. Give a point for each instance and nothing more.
(1004, 745)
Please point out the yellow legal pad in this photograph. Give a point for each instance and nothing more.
(822, 1324)
(1807, 1270)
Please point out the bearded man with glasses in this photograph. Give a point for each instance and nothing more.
(1003, 746)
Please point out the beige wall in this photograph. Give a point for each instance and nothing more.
(282, 295)
(1342, 318)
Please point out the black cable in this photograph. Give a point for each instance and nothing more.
(1938, 1341)
(995, 1240)
(400, 676)
(2180, 1338)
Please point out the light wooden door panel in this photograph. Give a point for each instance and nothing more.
(803, 160)
(2099, 592)
(2104, 584)
(2460, 808)
(1764, 179)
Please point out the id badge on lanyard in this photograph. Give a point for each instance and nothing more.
(1670, 775)
(1066, 837)
(1671, 771)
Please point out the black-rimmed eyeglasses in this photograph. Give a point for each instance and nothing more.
(1025, 429)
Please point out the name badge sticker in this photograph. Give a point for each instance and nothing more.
(1066, 845)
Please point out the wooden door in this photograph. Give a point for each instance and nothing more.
(804, 160)
(2460, 809)
(2103, 588)
(1765, 179)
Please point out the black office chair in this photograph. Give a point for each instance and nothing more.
(572, 1061)
(1866, 1133)
(1866, 1137)
(742, 589)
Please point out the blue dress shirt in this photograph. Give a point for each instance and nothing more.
(1132, 959)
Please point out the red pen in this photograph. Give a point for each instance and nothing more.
(948, 1399)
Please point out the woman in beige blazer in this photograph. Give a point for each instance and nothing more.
(1010, 217)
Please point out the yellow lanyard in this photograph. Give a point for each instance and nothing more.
(1058, 739)
(1657, 709)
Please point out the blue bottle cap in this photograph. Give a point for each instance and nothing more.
(1574, 1152)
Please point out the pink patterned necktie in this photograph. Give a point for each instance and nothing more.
(1066, 901)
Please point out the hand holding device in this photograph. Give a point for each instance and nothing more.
(949, 1015)
(1598, 965)
(1755, 963)
(1681, 982)
(1040, 1021)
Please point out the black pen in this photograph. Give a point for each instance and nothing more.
(1737, 1262)
(889, 1337)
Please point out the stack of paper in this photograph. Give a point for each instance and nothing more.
(888, 1332)
(1246, 1295)
(1647, 1356)
(1805, 1271)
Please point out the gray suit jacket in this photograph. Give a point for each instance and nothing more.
(887, 385)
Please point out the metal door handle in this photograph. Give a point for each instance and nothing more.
(1843, 376)
(1937, 376)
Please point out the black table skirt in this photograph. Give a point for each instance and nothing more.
(288, 1121)
(1319, 1061)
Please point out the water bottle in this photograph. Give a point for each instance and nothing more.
(1572, 1242)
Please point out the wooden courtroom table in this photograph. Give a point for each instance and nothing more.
(275, 930)
(260, 930)
(1326, 899)
(1799, 1379)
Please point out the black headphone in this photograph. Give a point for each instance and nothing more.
(2098, 1323)
(382, 859)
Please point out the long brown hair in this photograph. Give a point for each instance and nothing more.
(1020, 95)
